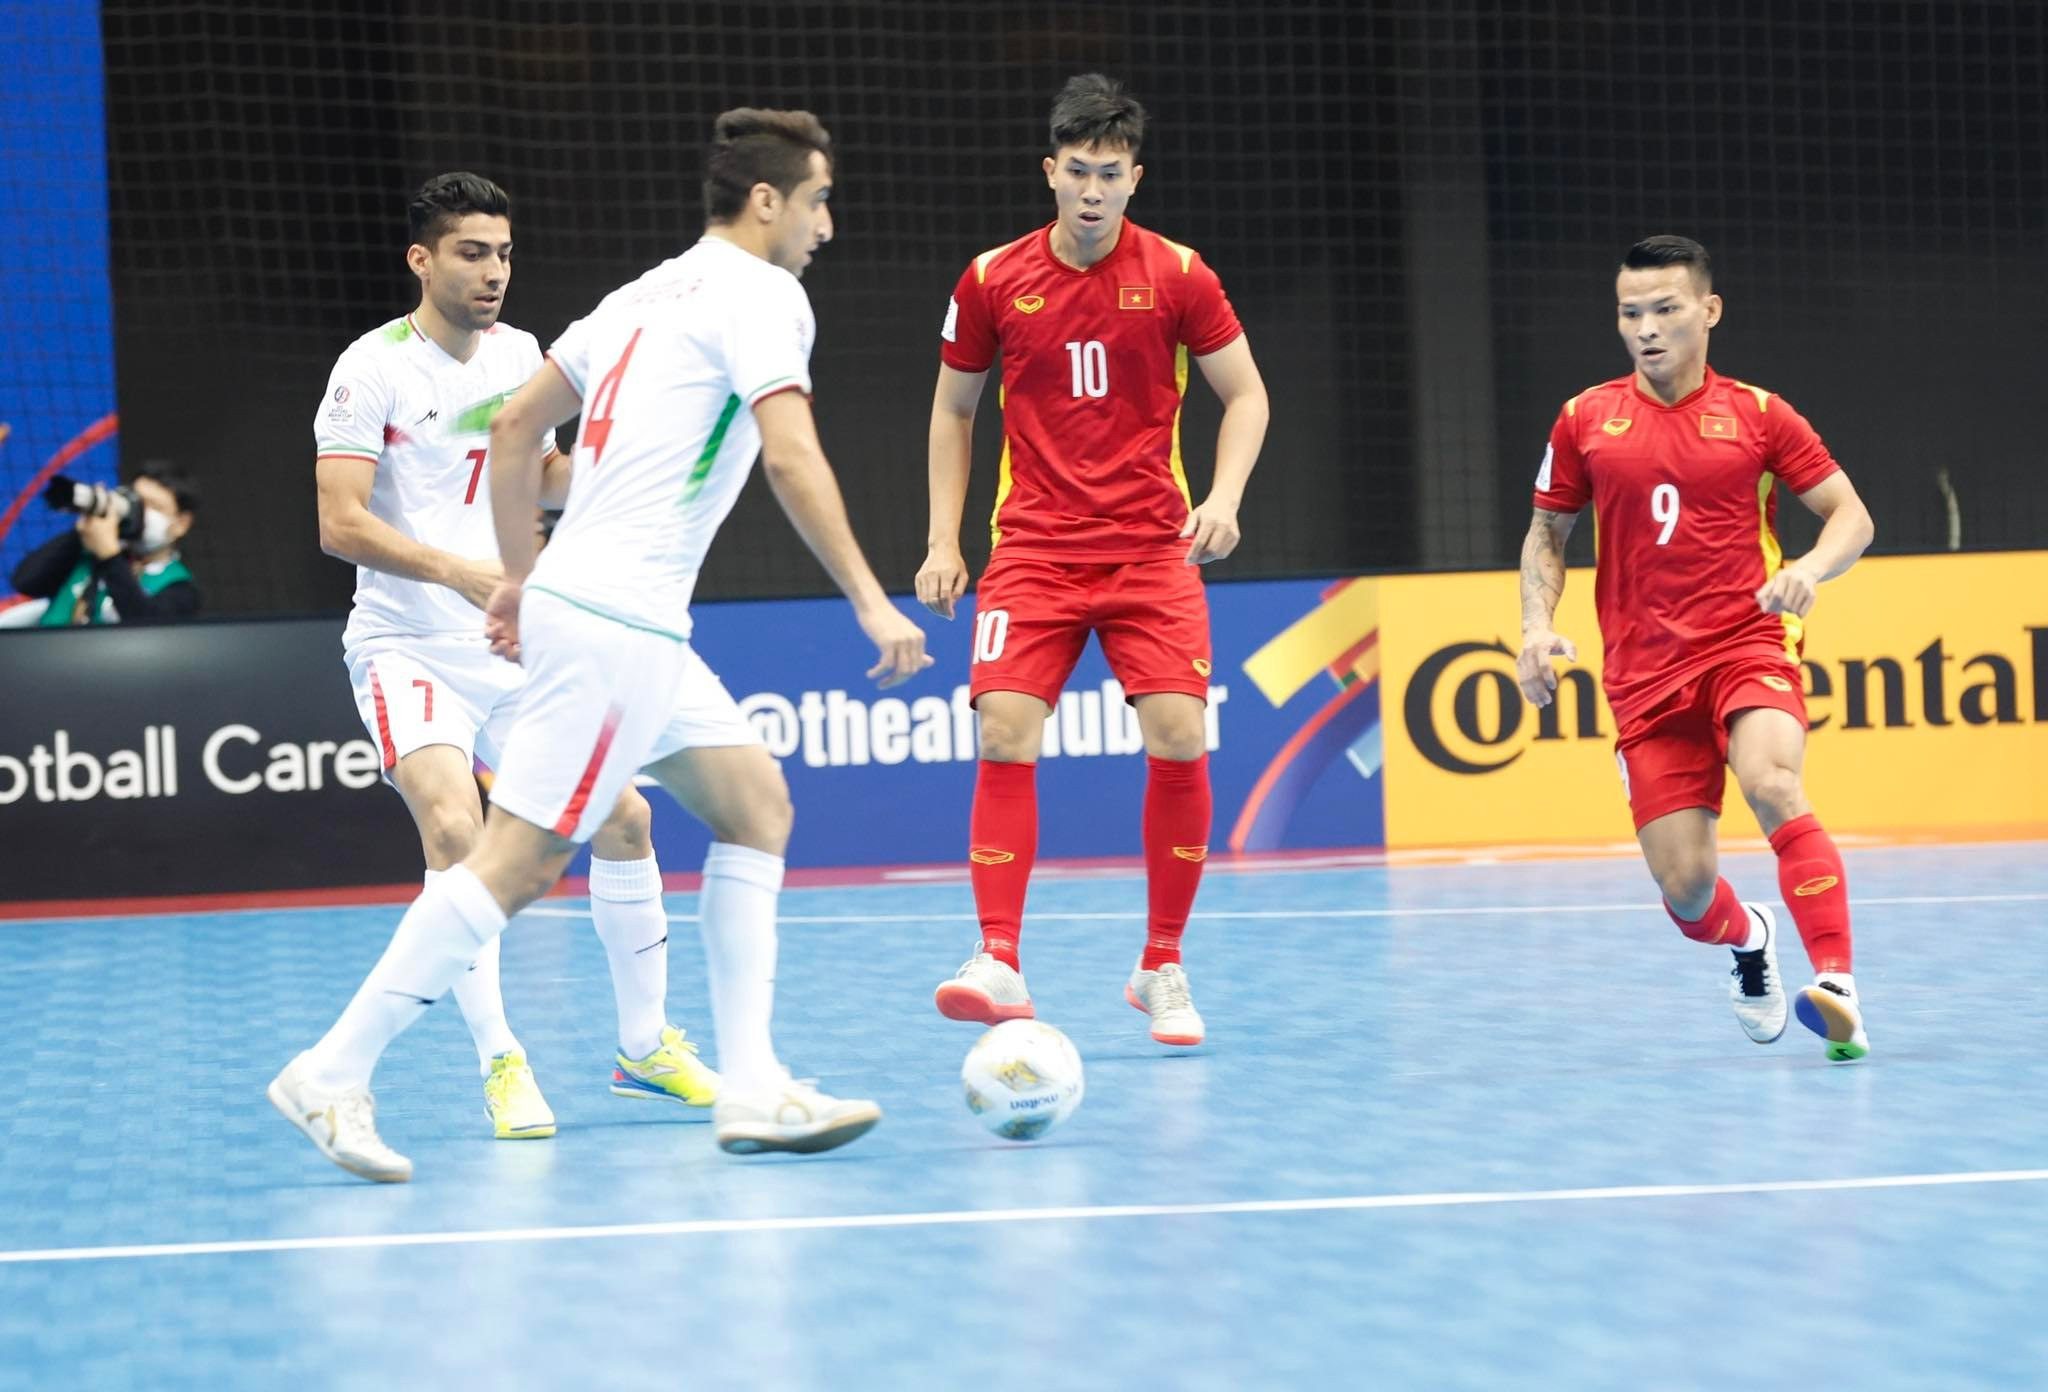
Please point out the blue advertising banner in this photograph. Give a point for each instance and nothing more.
(229, 758)
(57, 351)
(885, 778)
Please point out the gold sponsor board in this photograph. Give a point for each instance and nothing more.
(1926, 681)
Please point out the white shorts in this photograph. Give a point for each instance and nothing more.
(413, 692)
(602, 701)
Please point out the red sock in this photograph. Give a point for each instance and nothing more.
(1002, 835)
(1816, 889)
(1725, 923)
(1176, 833)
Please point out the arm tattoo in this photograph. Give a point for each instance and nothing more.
(1543, 567)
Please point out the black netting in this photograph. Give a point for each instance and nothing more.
(1415, 207)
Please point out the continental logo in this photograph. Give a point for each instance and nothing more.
(1820, 885)
(1465, 714)
(1194, 853)
(982, 856)
(1029, 304)
(1617, 425)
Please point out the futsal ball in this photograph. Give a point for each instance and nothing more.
(1022, 1079)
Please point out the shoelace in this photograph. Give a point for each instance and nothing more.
(1751, 969)
(355, 1115)
(1170, 991)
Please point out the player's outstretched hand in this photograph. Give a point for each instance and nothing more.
(1213, 527)
(900, 643)
(941, 580)
(1533, 672)
(1790, 591)
(501, 619)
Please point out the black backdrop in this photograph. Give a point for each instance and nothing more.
(1415, 206)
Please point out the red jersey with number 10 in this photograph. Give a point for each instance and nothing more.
(1685, 501)
(1095, 364)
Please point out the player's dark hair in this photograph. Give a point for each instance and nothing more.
(1095, 110)
(751, 146)
(447, 199)
(1668, 250)
(179, 483)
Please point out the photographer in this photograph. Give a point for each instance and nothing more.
(120, 564)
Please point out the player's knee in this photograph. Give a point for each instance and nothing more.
(1180, 742)
(1009, 741)
(763, 819)
(1776, 794)
(1687, 881)
(449, 833)
(628, 834)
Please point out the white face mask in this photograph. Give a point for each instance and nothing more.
(156, 530)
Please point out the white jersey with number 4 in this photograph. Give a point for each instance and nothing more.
(670, 368)
(424, 419)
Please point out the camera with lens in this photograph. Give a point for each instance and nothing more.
(120, 502)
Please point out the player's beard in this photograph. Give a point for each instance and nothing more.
(472, 317)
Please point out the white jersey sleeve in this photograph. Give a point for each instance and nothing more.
(357, 406)
(571, 353)
(770, 351)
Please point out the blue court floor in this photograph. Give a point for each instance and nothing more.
(1479, 1127)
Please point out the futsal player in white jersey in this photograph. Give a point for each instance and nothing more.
(681, 378)
(403, 439)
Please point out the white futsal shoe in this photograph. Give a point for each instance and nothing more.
(1164, 995)
(343, 1125)
(1756, 990)
(985, 990)
(788, 1114)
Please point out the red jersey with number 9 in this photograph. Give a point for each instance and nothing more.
(1684, 499)
(1095, 364)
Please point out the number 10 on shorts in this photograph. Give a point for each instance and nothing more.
(991, 627)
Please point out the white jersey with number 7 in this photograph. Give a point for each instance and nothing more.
(424, 419)
(669, 368)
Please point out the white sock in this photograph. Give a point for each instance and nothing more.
(435, 943)
(1756, 936)
(625, 904)
(738, 912)
(482, 1002)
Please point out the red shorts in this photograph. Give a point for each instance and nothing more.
(1675, 754)
(1032, 618)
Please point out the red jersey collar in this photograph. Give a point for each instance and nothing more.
(1635, 384)
(1123, 246)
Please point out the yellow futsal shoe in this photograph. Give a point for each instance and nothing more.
(513, 1102)
(672, 1073)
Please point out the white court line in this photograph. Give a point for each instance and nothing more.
(1466, 911)
(696, 1227)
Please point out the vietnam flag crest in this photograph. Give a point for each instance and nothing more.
(1134, 297)
(1718, 427)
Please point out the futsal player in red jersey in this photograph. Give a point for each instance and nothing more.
(1094, 531)
(1703, 621)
